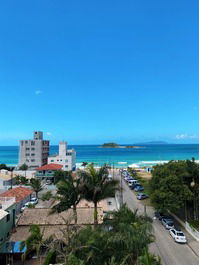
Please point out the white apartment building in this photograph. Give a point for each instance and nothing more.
(66, 158)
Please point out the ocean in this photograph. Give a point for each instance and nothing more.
(147, 155)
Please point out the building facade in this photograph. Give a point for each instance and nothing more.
(7, 179)
(21, 195)
(66, 157)
(7, 218)
(34, 153)
(47, 172)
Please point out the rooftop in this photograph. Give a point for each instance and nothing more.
(50, 167)
(19, 193)
(42, 216)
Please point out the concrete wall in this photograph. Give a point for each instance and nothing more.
(28, 174)
(193, 232)
(6, 184)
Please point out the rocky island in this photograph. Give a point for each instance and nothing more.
(114, 145)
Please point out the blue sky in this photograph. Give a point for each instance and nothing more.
(95, 71)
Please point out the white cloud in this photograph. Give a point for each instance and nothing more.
(185, 136)
(38, 92)
(49, 133)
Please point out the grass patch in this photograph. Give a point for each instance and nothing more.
(145, 183)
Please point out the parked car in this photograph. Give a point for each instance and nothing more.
(49, 182)
(132, 186)
(133, 181)
(178, 235)
(23, 208)
(32, 201)
(142, 196)
(159, 215)
(139, 188)
(128, 178)
(167, 223)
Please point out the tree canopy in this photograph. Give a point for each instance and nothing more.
(170, 184)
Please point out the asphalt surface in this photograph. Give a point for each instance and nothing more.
(171, 253)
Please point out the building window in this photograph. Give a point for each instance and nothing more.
(32, 148)
(32, 143)
(27, 148)
(26, 142)
(51, 160)
(27, 154)
(27, 160)
(8, 217)
(32, 154)
(57, 160)
(32, 160)
(66, 160)
(66, 166)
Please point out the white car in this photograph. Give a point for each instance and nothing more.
(23, 208)
(32, 201)
(178, 236)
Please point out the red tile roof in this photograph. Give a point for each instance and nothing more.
(50, 167)
(20, 193)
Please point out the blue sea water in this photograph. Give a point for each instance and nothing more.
(120, 157)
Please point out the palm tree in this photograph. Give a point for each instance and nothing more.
(69, 196)
(33, 243)
(129, 233)
(36, 186)
(96, 186)
(23, 167)
(149, 259)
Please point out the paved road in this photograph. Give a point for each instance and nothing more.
(170, 252)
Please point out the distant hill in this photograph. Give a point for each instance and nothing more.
(153, 142)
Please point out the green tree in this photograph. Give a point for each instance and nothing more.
(61, 175)
(68, 195)
(33, 243)
(168, 187)
(50, 258)
(125, 243)
(47, 196)
(23, 180)
(96, 186)
(149, 259)
(36, 185)
(120, 245)
(24, 167)
(3, 166)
